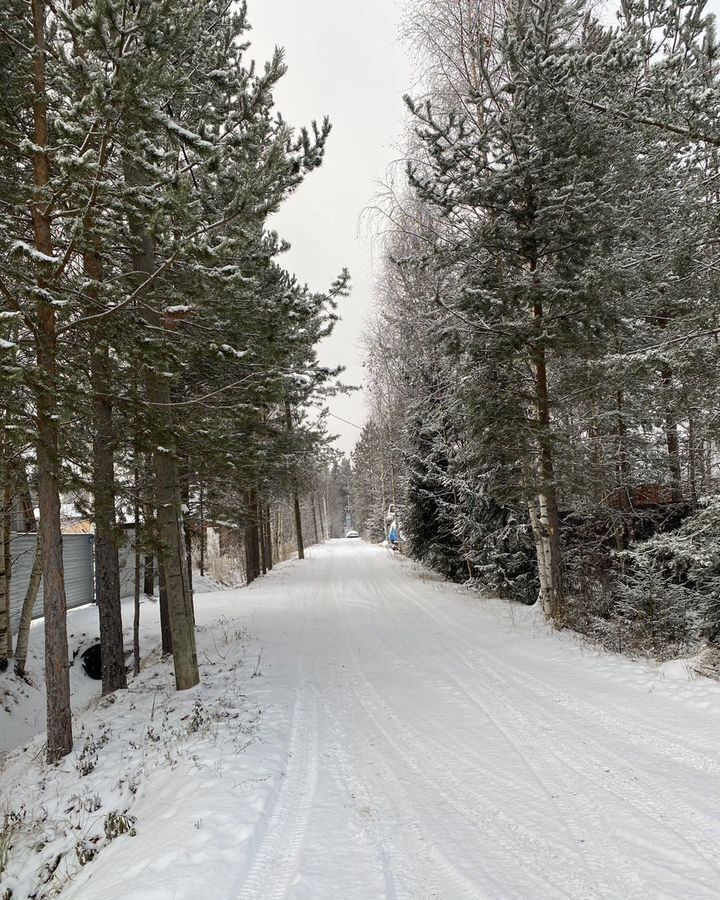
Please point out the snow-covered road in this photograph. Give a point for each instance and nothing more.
(417, 742)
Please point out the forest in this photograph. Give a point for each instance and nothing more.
(476, 657)
(543, 360)
(157, 362)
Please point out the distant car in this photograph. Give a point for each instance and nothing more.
(352, 534)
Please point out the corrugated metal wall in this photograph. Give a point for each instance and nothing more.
(79, 577)
(126, 556)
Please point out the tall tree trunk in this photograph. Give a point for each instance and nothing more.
(187, 532)
(261, 536)
(549, 517)
(279, 526)
(203, 534)
(136, 603)
(384, 500)
(692, 462)
(8, 501)
(252, 543)
(28, 507)
(540, 550)
(167, 485)
(31, 592)
(57, 676)
(137, 573)
(107, 565)
(165, 632)
(149, 529)
(149, 574)
(316, 532)
(325, 515)
(250, 574)
(396, 513)
(298, 526)
(268, 539)
(172, 552)
(622, 472)
(296, 493)
(5, 638)
(672, 437)
(320, 517)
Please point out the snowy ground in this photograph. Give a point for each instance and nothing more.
(365, 732)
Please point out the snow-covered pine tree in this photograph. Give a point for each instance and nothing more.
(150, 155)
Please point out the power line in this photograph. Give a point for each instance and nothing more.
(340, 419)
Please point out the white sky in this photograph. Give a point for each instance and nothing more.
(344, 60)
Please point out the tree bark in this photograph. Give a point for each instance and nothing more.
(187, 534)
(540, 550)
(136, 606)
(23, 636)
(138, 565)
(167, 485)
(268, 539)
(298, 526)
(5, 637)
(296, 493)
(672, 437)
(252, 543)
(549, 517)
(165, 633)
(9, 495)
(203, 535)
(28, 508)
(316, 532)
(261, 536)
(692, 462)
(149, 575)
(622, 472)
(149, 528)
(107, 565)
(57, 678)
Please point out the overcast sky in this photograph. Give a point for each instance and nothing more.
(345, 61)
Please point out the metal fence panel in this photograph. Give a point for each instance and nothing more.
(126, 559)
(79, 574)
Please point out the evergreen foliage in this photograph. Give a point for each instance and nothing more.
(548, 318)
(146, 315)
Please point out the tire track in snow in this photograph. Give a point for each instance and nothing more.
(401, 881)
(656, 802)
(351, 784)
(567, 812)
(275, 864)
(598, 718)
(550, 862)
(637, 792)
(520, 842)
(580, 816)
(420, 841)
(410, 877)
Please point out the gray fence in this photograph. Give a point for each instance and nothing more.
(126, 559)
(79, 577)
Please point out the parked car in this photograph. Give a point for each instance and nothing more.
(352, 534)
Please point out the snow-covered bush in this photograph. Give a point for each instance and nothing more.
(500, 547)
(660, 596)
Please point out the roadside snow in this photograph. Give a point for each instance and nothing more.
(366, 731)
(22, 700)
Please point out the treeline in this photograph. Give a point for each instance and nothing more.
(154, 354)
(544, 363)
